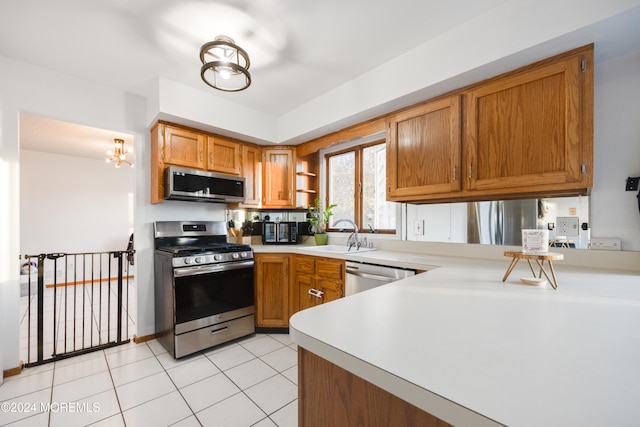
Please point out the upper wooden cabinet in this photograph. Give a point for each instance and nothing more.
(252, 172)
(524, 133)
(224, 155)
(531, 131)
(183, 148)
(424, 150)
(278, 189)
(173, 146)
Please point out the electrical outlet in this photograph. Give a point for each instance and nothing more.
(632, 184)
(606, 244)
(418, 227)
(567, 226)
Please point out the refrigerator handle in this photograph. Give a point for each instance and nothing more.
(500, 224)
(492, 221)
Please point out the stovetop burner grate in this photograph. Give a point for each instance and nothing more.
(207, 248)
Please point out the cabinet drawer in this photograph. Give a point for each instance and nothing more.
(330, 269)
(329, 285)
(305, 264)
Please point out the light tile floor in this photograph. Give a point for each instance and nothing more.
(249, 382)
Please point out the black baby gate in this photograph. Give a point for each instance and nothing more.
(79, 303)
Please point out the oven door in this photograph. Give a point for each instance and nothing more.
(210, 294)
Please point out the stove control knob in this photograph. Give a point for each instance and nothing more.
(243, 254)
(198, 259)
(235, 255)
(217, 257)
(187, 260)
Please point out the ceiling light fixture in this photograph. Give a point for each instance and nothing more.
(225, 65)
(118, 153)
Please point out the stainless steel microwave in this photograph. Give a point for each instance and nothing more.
(201, 186)
(284, 233)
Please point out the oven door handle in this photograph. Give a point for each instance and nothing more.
(216, 268)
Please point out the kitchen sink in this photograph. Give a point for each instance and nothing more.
(335, 249)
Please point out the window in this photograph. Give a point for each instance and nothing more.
(356, 183)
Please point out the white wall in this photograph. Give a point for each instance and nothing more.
(73, 204)
(614, 211)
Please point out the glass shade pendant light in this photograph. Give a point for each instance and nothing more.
(225, 65)
(118, 154)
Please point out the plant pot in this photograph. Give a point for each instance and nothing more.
(321, 238)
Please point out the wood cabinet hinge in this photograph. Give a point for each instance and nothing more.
(584, 65)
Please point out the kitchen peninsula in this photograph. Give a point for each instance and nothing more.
(458, 344)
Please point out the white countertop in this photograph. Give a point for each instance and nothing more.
(464, 346)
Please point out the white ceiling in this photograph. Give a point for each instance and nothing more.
(299, 49)
(53, 136)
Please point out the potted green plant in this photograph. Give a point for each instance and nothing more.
(319, 218)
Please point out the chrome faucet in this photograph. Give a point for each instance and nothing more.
(350, 242)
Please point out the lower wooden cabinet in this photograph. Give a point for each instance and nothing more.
(331, 396)
(316, 280)
(286, 283)
(272, 287)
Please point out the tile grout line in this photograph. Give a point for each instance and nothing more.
(177, 388)
(115, 392)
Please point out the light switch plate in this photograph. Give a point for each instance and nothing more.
(418, 227)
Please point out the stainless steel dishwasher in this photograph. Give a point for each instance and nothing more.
(362, 277)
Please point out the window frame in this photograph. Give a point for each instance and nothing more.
(358, 180)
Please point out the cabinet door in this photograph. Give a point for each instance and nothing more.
(279, 179)
(331, 289)
(252, 172)
(305, 264)
(223, 155)
(183, 148)
(272, 290)
(424, 150)
(304, 284)
(529, 132)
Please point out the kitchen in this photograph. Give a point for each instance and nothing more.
(67, 98)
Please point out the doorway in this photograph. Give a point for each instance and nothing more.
(72, 202)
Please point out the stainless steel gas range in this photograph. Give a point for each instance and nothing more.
(203, 286)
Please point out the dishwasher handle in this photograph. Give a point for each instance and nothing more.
(371, 276)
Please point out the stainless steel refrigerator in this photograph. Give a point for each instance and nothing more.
(500, 222)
